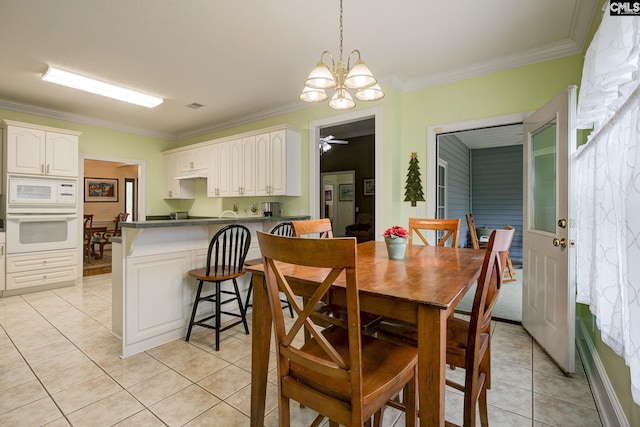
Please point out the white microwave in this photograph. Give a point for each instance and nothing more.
(36, 194)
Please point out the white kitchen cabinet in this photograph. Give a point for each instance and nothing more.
(278, 163)
(175, 188)
(219, 180)
(38, 150)
(243, 166)
(41, 268)
(193, 159)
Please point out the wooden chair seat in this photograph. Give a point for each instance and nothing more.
(213, 276)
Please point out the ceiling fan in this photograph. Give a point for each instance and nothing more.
(326, 141)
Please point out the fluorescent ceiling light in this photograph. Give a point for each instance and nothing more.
(65, 78)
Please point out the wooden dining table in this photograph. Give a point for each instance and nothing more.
(423, 289)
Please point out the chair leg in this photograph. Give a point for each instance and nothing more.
(482, 399)
(218, 316)
(193, 312)
(240, 307)
(247, 304)
(509, 274)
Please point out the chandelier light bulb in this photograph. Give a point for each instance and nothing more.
(310, 94)
(371, 93)
(342, 100)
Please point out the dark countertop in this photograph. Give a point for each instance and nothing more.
(210, 221)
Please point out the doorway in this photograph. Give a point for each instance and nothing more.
(339, 203)
(127, 175)
(372, 200)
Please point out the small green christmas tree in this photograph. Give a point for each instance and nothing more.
(413, 187)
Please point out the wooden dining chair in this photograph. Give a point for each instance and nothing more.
(225, 261)
(450, 228)
(88, 234)
(328, 313)
(318, 227)
(509, 274)
(338, 372)
(103, 239)
(468, 342)
(473, 234)
(281, 229)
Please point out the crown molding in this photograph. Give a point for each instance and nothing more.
(85, 120)
(580, 25)
(291, 107)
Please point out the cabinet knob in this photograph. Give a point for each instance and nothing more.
(47, 169)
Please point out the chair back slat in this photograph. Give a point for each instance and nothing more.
(450, 227)
(320, 227)
(283, 229)
(227, 250)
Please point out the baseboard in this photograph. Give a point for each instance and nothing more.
(611, 412)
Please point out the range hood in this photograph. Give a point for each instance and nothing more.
(195, 174)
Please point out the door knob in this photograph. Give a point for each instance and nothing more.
(562, 223)
(560, 242)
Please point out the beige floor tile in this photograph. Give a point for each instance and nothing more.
(15, 377)
(141, 419)
(179, 353)
(226, 382)
(48, 366)
(60, 422)
(558, 412)
(499, 417)
(137, 372)
(512, 374)
(159, 387)
(510, 398)
(184, 405)
(201, 366)
(241, 400)
(21, 395)
(36, 413)
(221, 414)
(112, 361)
(47, 351)
(563, 388)
(107, 411)
(86, 393)
(71, 376)
(11, 360)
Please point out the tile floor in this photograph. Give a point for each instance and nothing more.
(59, 366)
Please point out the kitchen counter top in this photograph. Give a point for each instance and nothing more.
(210, 221)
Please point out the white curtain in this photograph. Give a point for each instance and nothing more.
(608, 185)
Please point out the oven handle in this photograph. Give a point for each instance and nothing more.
(36, 217)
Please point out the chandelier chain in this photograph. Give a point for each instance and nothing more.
(340, 29)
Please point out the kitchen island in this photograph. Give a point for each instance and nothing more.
(152, 291)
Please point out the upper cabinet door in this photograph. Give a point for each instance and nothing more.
(39, 152)
(26, 150)
(61, 154)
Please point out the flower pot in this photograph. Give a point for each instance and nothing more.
(396, 247)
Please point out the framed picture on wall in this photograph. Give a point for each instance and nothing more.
(100, 190)
(328, 195)
(346, 192)
(369, 187)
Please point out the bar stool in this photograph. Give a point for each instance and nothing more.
(225, 261)
(282, 229)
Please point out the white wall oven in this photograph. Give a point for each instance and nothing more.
(41, 214)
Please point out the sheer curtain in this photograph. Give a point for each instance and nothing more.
(607, 169)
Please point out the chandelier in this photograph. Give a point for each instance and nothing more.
(341, 76)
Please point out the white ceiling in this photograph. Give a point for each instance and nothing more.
(246, 60)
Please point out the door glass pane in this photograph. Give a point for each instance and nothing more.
(543, 194)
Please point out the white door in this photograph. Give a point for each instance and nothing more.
(548, 294)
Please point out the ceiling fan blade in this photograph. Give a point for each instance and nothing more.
(337, 141)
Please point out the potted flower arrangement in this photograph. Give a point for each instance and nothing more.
(396, 238)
